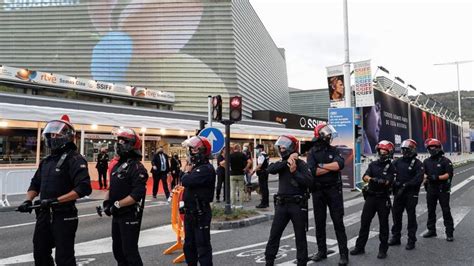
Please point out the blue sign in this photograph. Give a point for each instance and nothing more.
(342, 119)
(216, 138)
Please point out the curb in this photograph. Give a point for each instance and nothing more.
(225, 225)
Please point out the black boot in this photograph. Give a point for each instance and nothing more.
(344, 260)
(410, 245)
(382, 255)
(321, 255)
(430, 233)
(449, 237)
(357, 251)
(394, 241)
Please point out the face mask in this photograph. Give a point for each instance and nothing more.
(407, 153)
(434, 152)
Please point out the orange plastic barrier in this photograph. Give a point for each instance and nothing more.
(177, 224)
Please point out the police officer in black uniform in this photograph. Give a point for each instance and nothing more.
(262, 173)
(291, 201)
(125, 199)
(199, 181)
(438, 176)
(405, 190)
(326, 163)
(61, 178)
(380, 176)
(102, 165)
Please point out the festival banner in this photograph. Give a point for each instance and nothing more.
(342, 119)
(364, 92)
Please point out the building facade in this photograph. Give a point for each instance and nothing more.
(310, 102)
(190, 48)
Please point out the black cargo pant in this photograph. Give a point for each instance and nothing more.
(220, 184)
(197, 241)
(283, 214)
(102, 172)
(406, 201)
(55, 229)
(125, 233)
(163, 177)
(374, 205)
(329, 197)
(263, 186)
(433, 195)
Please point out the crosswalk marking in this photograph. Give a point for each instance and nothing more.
(458, 214)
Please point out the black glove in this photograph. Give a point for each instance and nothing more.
(433, 177)
(381, 181)
(25, 206)
(374, 180)
(46, 203)
(107, 207)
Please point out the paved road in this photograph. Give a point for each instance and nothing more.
(245, 246)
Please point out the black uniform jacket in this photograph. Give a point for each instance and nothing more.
(73, 174)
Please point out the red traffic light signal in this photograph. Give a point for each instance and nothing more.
(217, 108)
(235, 110)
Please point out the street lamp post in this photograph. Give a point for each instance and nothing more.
(457, 63)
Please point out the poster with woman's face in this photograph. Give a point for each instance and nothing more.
(336, 86)
(386, 120)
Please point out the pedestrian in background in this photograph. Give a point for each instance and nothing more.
(175, 167)
(102, 166)
(262, 173)
(220, 171)
(160, 169)
(239, 163)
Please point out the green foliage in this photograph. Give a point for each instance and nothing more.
(237, 214)
(450, 100)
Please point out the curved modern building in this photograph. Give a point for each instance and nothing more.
(190, 48)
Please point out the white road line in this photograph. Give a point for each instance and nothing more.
(150, 237)
(350, 219)
(79, 216)
(329, 241)
(461, 184)
(458, 214)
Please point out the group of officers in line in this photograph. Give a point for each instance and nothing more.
(62, 177)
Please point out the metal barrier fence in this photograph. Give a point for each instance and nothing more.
(13, 182)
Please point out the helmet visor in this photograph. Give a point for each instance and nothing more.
(285, 142)
(55, 127)
(328, 130)
(407, 144)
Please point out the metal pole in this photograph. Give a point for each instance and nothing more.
(143, 147)
(38, 145)
(347, 65)
(227, 209)
(209, 110)
(82, 141)
(459, 108)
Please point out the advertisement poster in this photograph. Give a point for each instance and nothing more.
(386, 120)
(51, 79)
(425, 125)
(336, 85)
(364, 92)
(342, 119)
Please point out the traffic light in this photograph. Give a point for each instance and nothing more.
(235, 110)
(217, 108)
(202, 125)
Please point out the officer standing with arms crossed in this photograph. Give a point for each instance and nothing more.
(438, 176)
(405, 190)
(199, 181)
(291, 201)
(380, 176)
(61, 178)
(126, 197)
(326, 163)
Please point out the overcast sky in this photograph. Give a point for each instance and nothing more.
(405, 36)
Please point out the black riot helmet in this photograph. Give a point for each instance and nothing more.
(58, 133)
(408, 148)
